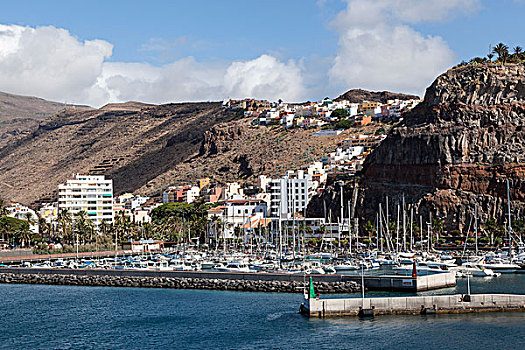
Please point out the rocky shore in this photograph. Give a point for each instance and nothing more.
(179, 283)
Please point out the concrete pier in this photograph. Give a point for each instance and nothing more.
(435, 304)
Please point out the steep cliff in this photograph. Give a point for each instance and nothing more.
(455, 149)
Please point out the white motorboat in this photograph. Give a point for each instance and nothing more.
(234, 266)
(474, 270)
(163, 265)
(346, 266)
(329, 269)
(207, 265)
(316, 271)
(423, 268)
(500, 266)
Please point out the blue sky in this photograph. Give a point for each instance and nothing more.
(161, 51)
(228, 30)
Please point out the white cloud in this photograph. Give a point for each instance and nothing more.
(264, 77)
(380, 51)
(49, 62)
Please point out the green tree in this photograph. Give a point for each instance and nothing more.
(493, 230)
(65, 222)
(340, 113)
(369, 229)
(345, 124)
(502, 51)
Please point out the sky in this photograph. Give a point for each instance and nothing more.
(95, 52)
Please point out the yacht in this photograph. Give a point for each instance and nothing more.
(423, 268)
(346, 266)
(234, 266)
(499, 265)
(474, 270)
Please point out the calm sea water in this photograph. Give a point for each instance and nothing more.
(65, 317)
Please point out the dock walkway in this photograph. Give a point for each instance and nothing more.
(432, 304)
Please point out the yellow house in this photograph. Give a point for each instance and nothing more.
(203, 182)
(298, 121)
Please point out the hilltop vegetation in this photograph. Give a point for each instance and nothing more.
(499, 54)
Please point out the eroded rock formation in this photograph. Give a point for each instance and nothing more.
(455, 149)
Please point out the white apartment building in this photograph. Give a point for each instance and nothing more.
(92, 194)
(289, 194)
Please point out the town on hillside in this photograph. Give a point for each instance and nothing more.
(87, 212)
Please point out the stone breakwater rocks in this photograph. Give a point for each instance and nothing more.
(179, 283)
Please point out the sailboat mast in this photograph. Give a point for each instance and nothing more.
(340, 216)
(404, 226)
(380, 228)
(476, 226)
(411, 228)
(397, 230)
(510, 224)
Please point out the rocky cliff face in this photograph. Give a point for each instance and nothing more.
(455, 149)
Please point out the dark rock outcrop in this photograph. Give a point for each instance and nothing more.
(358, 95)
(455, 149)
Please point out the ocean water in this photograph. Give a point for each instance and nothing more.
(70, 317)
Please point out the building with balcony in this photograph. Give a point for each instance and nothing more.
(89, 193)
(290, 194)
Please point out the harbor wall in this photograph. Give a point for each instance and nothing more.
(382, 283)
(416, 305)
(141, 281)
(397, 283)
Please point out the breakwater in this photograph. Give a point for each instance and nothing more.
(269, 286)
(382, 283)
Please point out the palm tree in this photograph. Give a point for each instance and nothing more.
(490, 56)
(45, 229)
(3, 211)
(24, 234)
(502, 51)
(518, 50)
(81, 220)
(64, 222)
(29, 218)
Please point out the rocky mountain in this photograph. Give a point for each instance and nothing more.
(358, 95)
(238, 151)
(133, 143)
(145, 148)
(456, 149)
(20, 115)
